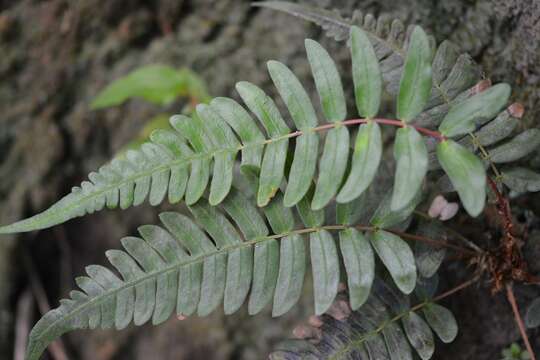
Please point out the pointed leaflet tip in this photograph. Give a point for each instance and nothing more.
(45, 219)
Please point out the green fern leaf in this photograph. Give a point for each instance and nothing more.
(334, 158)
(452, 74)
(273, 165)
(386, 327)
(366, 74)
(292, 268)
(465, 116)
(419, 335)
(359, 263)
(336, 26)
(304, 117)
(229, 254)
(411, 157)
(498, 129)
(442, 321)
(155, 83)
(327, 81)
(398, 258)
(325, 264)
(415, 84)
(224, 256)
(521, 179)
(248, 132)
(467, 174)
(332, 166)
(192, 129)
(225, 144)
(365, 162)
(521, 145)
(199, 155)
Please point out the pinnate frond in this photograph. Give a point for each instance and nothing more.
(199, 155)
(228, 254)
(387, 326)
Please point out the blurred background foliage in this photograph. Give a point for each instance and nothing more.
(157, 84)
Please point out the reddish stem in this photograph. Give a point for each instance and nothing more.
(512, 300)
(431, 133)
(504, 209)
(513, 260)
(453, 290)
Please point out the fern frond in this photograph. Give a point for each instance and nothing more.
(389, 36)
(453, 76)
(452, 73)
(200, 153)
(386, 327)
(193, 264)
(331, 21)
